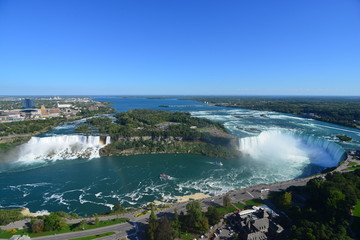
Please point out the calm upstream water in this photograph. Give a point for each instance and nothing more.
(279, 147)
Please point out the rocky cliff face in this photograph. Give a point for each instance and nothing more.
(215, 144)
(152, 138)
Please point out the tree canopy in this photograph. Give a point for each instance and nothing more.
(326, 209)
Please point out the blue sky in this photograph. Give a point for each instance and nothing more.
(129, 47)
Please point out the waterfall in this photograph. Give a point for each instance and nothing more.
(287, 146)
(61, 147)
(108, 139)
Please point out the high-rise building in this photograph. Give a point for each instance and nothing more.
(28, 103)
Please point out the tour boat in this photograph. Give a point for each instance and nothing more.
(219, 163)
(164, 176)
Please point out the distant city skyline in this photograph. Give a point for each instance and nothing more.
(203, 47)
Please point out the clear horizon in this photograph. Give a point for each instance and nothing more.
(172, 48)
(180, 95)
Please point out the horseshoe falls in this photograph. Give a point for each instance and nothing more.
(278, 146)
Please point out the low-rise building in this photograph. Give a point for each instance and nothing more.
(258, 224)
(49, 112)
(93, 108)
(64, 105)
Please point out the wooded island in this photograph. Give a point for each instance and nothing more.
(143, 131)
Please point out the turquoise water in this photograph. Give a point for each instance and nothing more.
(275, 143)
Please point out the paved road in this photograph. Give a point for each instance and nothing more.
(122, 231)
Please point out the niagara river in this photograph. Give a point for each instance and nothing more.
(61, 170)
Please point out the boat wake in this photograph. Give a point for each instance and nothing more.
(217, 163)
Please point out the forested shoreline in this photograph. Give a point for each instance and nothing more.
(339, 110)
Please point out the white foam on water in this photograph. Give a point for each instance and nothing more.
(58, 198)
(342, 129)
(282, 116)
(209, 186)
(42, 212)
(82, 200)
(64, 126)
(14, 206)
(26, 188)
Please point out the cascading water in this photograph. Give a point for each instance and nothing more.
(290, 147)
(108, 140)
(61, 147)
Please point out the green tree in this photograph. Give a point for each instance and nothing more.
(118, 208)
(151, 230)
(176, 224)
(164, 230)
(83, 129)
(82, 224)
(37, 226)
(54, 222)
(226, 200)
(213, 215)
(10, 215)
(195, 221)
(194, 212)
(335, 199)
(285, 200)
(203, 225)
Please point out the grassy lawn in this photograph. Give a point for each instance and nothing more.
(149, 211)
(186, 236)
(351, 164)
(68, 228)
(6, 235)
(254, 202)
(27, 232)
(10, 215)
(356, 213)
(239, 205)
(353, 168)
(225, 210)
(94, 236)
(142, 213)
(104, 223)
